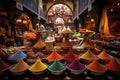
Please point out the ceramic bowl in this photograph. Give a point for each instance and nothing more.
(3, 71)
(76, 72)
(18, 73)
(96, 73)
(57, 72)
(116, 72)
(37, 72)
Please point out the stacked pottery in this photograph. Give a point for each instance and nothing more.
(54, 56)
(19, 68)
(114, 66)
(57, 68)
(105, 57)
(96, 68)
(88, 56)
(38, 67)
(3, 67)
(70, 56)
(75, 67)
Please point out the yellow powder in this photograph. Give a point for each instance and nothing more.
(20, 66)
(40, 43)
(88, 54)
(85, 44)
(38, 66)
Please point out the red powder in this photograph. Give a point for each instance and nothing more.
(113, 65)
(54, 55)
(3, 65)
(71, 56)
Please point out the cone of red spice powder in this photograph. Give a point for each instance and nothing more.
(96, 68)
(113, 65)
(70, 56)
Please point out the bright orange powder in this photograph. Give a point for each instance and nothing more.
(105, 56)
(40, 43)
(96, 66)
(54, 55)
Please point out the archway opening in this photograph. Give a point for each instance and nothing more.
(59, 14)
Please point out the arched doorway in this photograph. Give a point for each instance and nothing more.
(59, 14)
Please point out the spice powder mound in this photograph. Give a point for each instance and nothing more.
(57, 66)
(76, 65)
(54, 55)
(38, 66)
(113, 65)
(88, 54)
(71, 55)
(104, 55)
(40, 43)
(19, 54)
(96, 66)
(20, 66)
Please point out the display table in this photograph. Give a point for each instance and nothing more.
(46, 76)
(65, 76)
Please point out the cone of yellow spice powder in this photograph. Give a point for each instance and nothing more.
(88, 56)
(39, 45)
(38, 67)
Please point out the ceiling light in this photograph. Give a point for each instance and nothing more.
(92, 20)
(118, 4)
(111, 10)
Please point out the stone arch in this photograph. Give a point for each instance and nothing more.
(59, 3)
